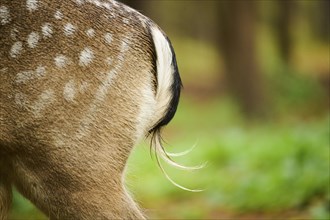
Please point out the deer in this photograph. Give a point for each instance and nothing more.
(81, 83)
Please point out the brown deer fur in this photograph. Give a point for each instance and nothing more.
(78, 81)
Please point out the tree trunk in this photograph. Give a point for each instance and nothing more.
(284, 24)
(237, 40)
(322, 23)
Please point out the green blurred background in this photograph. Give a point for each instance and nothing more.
(256, 105)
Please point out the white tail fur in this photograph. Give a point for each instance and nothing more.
(167, 97)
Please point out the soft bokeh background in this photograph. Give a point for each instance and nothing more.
(255, 103)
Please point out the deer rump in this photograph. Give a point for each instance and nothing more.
(81, 83)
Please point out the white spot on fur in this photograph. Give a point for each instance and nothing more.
(124, 48)
(110, 16)
(33, 39)
(106, 5)
(4, 70)
(96, 2)
(47, 30)
(69, 91)
(58, 15)
(79, 2)
(14, 33)
(32, 5)
(108, 38)
(108, 60)
(86, 57)
(4, 15)
(90, 32)
(44, 100)
(61, 61)
(115, 4)
(24, 76)
(21, 99)
(16, 49)
(126, 21)
(69, 29)
(40, 71)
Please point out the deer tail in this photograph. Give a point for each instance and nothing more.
(168, 88)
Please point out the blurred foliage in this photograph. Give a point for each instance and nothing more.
(252, 167)
(23, 209)
(261, 168)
